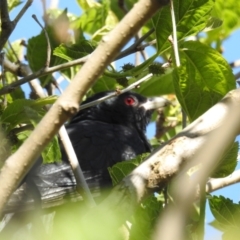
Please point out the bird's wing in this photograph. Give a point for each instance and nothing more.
(97, 145)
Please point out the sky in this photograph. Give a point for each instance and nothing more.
(27, 28)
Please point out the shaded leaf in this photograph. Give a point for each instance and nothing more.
(213, 23)
(228, 163)
(15, 113)
(104, 83)
(158, 85)
(75, 51)
(122, 169)
(145, 217)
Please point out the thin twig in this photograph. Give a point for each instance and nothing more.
(184, 119)
(8, 25)
(45, 71)
(42, 72)
(48, 41)
(235, 64)
(122, 6)
(135, 47)
(237, 75)
(80, 179)
(2, 56)
(175, 43)
(44, 5)
(23, 10)
(130, 87)
(149, 44)
(13, 51)
(217, 183)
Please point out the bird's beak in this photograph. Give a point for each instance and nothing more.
(155, 103)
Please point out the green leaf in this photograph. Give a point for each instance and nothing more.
(158, 85)
(229, 12)
(52, 152)
(15, 113)
(13, 3)
(226, 212)
(144, 219)
(203, 78)
(104, 83)
(86, 4)
(191, 17)
(37, 53)
(228, 163)
(37, 46)
(122, 169)
(75, 51)
(92, 19)
(213, 23)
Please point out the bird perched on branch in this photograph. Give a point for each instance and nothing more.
(102, 135)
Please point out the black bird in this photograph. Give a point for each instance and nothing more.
(102, 135)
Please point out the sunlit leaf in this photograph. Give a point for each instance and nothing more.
(203, 78)
(191, 17)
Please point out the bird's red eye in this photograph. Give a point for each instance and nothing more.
(129, 101)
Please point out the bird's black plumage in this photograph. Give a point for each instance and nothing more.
(102, 135)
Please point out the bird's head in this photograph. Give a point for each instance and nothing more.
(128, 109)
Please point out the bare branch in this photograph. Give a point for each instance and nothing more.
(23, 10)
(80, 179)
(217, 183)
(136, 46)
(17, 166)
(129, 88)
(45, 71)
(42, 72)
(235, 64)
(237, 75)
(2, 57)
(8, 25)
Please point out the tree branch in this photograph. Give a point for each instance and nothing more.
(17, 166)
(217, 183)
(235, 63)
(45, 71)
(135, 47)
(8, 25)
(42, 72)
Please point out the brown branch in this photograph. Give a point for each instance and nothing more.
(17, 166)
(42, 72)
(235, 64)
(2, 57)
(7, 25)
(136, 46)
(45, 71)
(237, 75)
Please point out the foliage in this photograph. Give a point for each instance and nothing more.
(203, 78)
